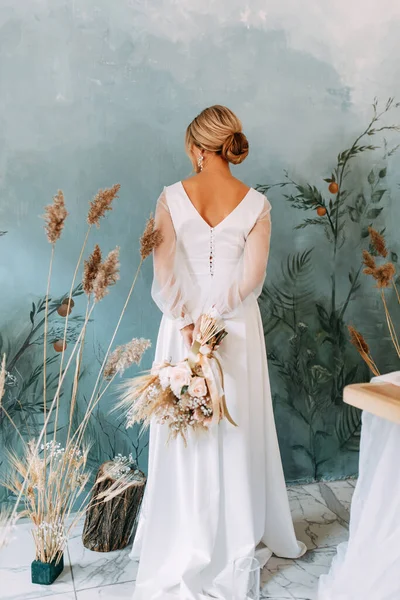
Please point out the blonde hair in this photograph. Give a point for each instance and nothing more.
(217, 129)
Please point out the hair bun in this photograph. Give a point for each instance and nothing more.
(235, 148)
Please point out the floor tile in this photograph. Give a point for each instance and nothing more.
(108, 592)
(66, 596)
(315, 524)
(15, 571)
(285, 578)
(336, 495)
(343, 491)
(96, 569)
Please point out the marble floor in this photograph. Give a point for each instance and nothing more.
(320, 513)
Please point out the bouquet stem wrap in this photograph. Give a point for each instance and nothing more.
(214, 377)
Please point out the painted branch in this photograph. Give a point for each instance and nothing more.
(109, 525)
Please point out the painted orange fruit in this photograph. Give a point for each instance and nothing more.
(63, 310)
(69, 301)
(333, 187)
(321, 211)
(59, 345)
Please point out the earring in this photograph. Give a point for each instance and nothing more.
(200, 162)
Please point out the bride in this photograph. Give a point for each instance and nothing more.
(223, 496)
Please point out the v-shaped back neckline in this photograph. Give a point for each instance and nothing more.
(225, 218)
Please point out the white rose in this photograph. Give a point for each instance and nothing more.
(164, 375)
(197, 387)
(179, 377)
(185, 366)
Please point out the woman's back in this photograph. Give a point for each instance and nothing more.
(216, 265)
(214, 195)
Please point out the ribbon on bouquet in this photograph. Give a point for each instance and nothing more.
(214, 376)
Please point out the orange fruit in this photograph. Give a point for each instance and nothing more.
(63, 310)
(59, 345)
(321, 211)
(68, 301)
(333, 187)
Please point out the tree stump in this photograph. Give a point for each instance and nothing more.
(109, 525)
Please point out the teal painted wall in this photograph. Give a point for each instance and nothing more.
(94, 93)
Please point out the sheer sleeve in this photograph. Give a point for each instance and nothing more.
(169, 283)
(251, 272)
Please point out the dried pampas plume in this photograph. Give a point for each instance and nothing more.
(55, 215)
(384, 275)
(125, 356)
(107, 275)
(101, 203)
(357, 339)
(378, 242)
(150, 239)
(369, 262)
(91, 269)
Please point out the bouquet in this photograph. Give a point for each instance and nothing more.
(188, 394)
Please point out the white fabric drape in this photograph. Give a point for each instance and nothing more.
(367, 567)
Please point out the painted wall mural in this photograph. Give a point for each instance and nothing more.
(95, 93)
(307, 331)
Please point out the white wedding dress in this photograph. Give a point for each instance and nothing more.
(223, 496)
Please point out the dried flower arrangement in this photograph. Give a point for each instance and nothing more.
(384, 276)
(186, 396)
(51, 476)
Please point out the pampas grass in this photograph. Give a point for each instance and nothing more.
(384, 276)
(51, 477)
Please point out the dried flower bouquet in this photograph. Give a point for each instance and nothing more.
(186, 395)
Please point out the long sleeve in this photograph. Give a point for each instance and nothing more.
(250, 274)
(170, 285)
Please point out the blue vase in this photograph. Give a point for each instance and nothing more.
(46, 573)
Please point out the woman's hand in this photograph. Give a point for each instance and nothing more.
(187, 334)
(196, 330)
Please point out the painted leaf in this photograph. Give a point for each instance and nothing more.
(320, 374)
(394, 257)
(354, 214)
(382, 173)
(323, 434)
(361, 203)
(377, 195)
(374, 212)
(323, 317)
(32, 313)
(365, 232)
(300, 448)
(351, 375)
(371, 177)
